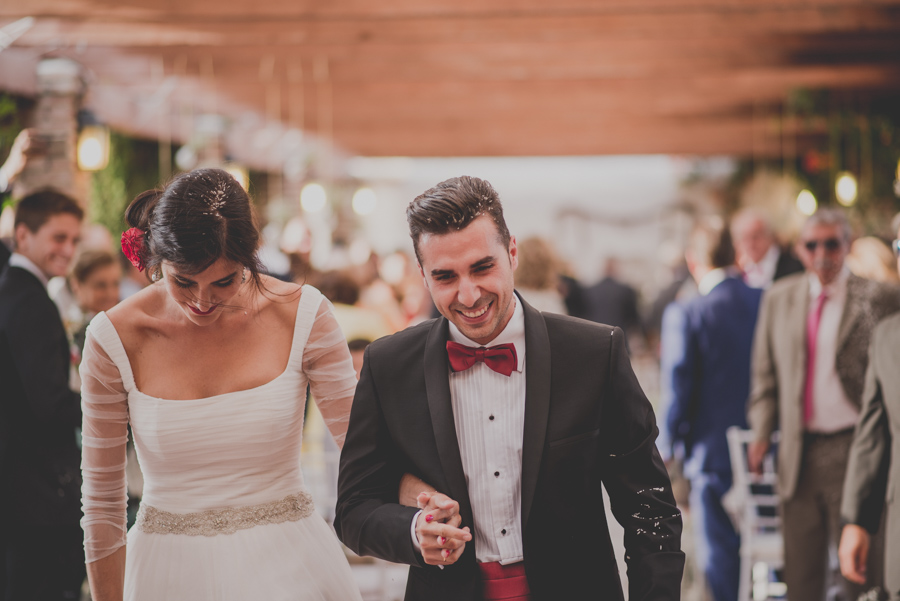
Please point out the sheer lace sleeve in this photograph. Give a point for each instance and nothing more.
(327, 362)
(105, 417)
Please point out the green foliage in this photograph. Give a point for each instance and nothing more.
(840, 131)
(133, 167)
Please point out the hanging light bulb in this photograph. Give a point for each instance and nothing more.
(93, 148)
(364, 201)
(806, 202)
(845, 188)
(313, 197)
(897, 181)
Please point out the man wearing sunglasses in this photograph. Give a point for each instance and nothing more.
(875, 459)
(809, 362)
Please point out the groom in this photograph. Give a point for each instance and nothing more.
(521, 434)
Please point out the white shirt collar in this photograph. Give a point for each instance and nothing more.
(23, 262)
(712, 279)
(513, 333)
(835, 289)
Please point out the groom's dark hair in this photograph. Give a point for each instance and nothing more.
(451, 206)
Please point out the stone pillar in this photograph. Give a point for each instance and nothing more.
(60, 90)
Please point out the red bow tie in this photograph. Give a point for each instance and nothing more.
(501, 358)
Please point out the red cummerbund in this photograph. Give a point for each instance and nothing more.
(506, 583)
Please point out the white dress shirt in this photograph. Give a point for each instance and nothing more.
(23, 262)
(832, 411)
(762, 274)
(489, 414)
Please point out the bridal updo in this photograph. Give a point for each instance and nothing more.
(198, 218)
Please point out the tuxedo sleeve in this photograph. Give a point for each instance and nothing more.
(368, 518)
(42, 361)
(865, 484)
(638, 484)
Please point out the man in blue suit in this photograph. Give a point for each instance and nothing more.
(705, 370)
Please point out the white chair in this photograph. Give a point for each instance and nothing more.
(754, 500)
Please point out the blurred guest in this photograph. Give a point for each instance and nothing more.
(26, 145)
(40, 536)
(133, 280)
(355, 321)
(705, 373)
(612, 301)
(872, 259)
(809, 363)
(758, 253)
(874, 459)
(94, 281)
(537, 276)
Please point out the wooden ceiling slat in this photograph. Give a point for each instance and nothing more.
(458, 77)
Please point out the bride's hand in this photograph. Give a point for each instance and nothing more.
(441, 539)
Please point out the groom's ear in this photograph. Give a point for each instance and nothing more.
(421, 271)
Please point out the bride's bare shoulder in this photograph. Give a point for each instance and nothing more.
(279, 298)
(139, 311)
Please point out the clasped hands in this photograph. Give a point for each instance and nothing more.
(440, 538)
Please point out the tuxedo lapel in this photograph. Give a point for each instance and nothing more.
(437, 388)
(537, 403)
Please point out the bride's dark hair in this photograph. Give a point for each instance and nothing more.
(198, 218)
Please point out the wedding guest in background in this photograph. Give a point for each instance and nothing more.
(94, 285)
(613, 302)
(875, 460)
(40, 539)
(757, 249)
(537, 276)
(809, 362)
(705, 380)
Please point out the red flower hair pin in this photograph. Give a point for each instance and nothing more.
(133, 247)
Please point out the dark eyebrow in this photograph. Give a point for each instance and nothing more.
(478, 264)
(475, 265)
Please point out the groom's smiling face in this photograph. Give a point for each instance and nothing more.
(469, 274)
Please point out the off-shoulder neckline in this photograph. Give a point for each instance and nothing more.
(308, 292)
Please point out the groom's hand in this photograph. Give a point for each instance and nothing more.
(437, 529)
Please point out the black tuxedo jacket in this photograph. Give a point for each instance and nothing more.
(39, 457)
(587, 422)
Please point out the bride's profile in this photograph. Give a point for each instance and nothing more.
(210, 367)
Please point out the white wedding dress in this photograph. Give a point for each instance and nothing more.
(224, 515)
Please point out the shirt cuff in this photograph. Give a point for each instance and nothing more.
(412, 533)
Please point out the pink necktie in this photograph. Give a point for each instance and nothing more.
(812, 333)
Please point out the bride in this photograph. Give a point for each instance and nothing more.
(210, 366)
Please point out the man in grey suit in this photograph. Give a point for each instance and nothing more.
(875, 459)
(809, 362)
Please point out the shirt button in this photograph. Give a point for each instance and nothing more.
(503, 531)
(496, 474)
(491, 418)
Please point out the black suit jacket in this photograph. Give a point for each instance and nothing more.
(587, 422)
(787, 264)
(612, 302)
(39, 456)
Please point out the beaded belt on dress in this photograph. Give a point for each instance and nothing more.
(225, 521)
